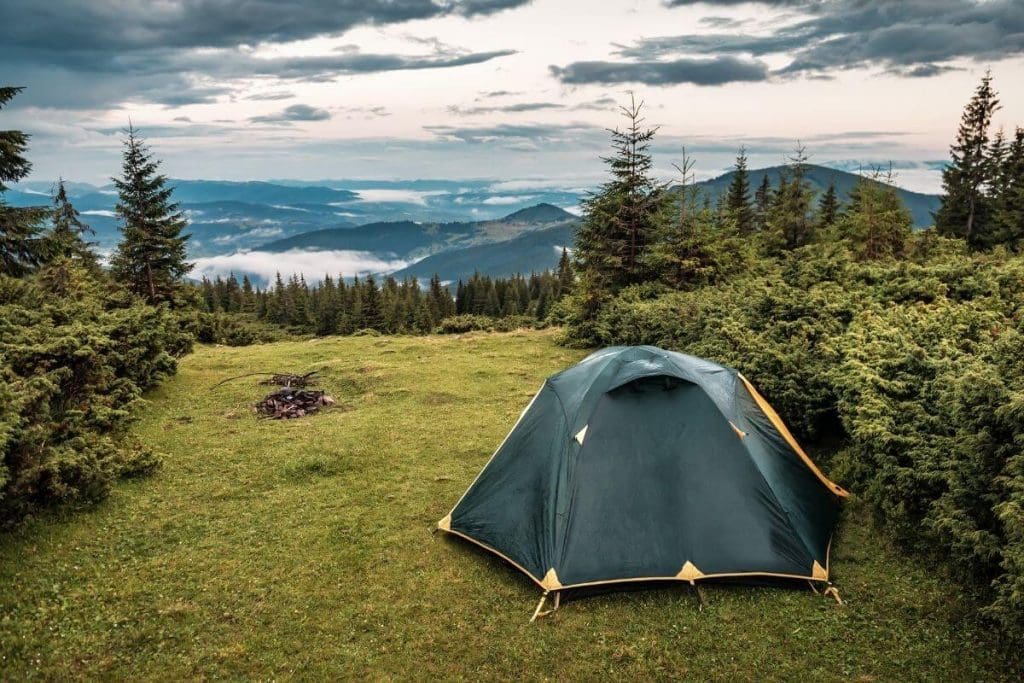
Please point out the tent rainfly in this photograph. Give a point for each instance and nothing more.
(640, 464)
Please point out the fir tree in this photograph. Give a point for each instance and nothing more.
(1009, 195)
(619, 221)
(828, 207)
(22, 243)
(737, 199)
(966, 210)
(790, 220)
(565, 273)
(150, 259)
(67, 235)
(762, 200)
(372, 314)
(877, 222)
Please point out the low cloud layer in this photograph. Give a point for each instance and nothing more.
(313, 265)
(296, 112)
(698, 71)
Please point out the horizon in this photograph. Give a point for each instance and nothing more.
(452, 91)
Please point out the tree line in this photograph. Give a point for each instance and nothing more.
(342, 306)
(900, 354)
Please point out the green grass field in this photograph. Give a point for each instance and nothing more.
(303, 549)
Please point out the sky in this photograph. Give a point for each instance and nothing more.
(513, 90)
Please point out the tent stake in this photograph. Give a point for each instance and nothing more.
(700, 596)
(536, 612)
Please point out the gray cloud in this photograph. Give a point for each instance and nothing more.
(105, 52)
(268, 96)
(698, 71)
(296, 112)
(504, 108)
(514, 133)
(912, 38)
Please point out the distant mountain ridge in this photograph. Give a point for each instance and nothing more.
(921, 206)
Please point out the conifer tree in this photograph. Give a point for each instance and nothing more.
(619, 221)
(737, 198)
(877, 222)
(828, 207)
(22, 243)
(790, 220)
(565, 273)
(150, 259)
(966, 208)
(67, 235)
(1009, 196)
(372, 315)
(762, 200)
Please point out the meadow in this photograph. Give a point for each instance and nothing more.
(303, 549)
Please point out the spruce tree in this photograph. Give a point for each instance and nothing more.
(67, 234)
(762, 200)
(22, 243)
(1009, 195)
(790, 220)
(565, 273)
(372, 314)
(150, 259)
(966, 208)
(619, 220)
(737, 198)
(828, 207)
(877, 223)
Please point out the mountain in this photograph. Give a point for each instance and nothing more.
(412, 240)
(541, 213)
(536, 250)
(920, 205)
(225, 216)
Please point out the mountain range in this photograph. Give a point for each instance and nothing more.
(411, 228)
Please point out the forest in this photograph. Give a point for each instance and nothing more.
(899, 355)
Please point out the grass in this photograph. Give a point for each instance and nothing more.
(302, 549)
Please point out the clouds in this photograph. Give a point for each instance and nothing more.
(909, 38)
(102, 53)
(296, 112)
(698, 71)
(266, 265)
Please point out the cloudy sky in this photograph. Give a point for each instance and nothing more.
(506, 89)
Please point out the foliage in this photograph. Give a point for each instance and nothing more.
(150, 259)
(620, 220)
(338, 307)
(22, 246)
(967, 182)
(72, 369)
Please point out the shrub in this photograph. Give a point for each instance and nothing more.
(71, 371)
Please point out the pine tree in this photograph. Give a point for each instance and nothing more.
(790, 220)
(566, 276)
(966, 208)
(685, 253)
(619, 221)
(67, 233)
(762, 200)
(372, 312)
(877, 222)
(1009, 195)
(22, 243)
(150, 259)
(828, 207)
(737, 199)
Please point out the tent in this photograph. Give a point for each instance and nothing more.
(640, 464)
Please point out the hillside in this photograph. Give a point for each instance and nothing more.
(302, 550)
(533, 251)
(921, 205)
(409, 239)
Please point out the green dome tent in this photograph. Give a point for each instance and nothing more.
(640, 464)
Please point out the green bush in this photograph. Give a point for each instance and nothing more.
(915, 367)
(72, 369)
(232, 330)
